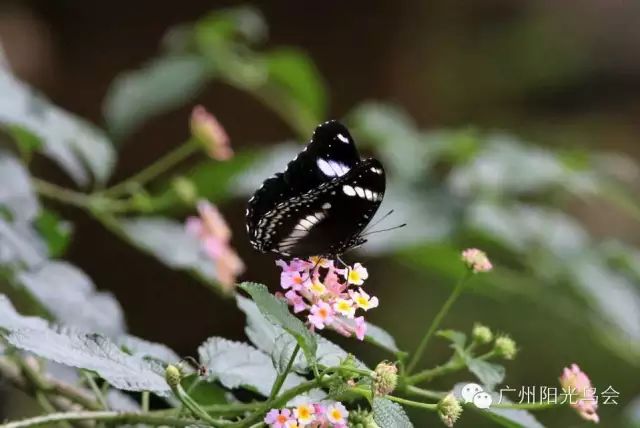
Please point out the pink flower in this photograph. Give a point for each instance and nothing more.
(214, 235)
(321, 314)
(296, 301)
(360, 328)
(576, 384)
(293, 280)
(318, 286)
(278, 418)
(476, 260)
(208, 131)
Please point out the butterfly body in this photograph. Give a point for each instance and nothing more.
(321, 203)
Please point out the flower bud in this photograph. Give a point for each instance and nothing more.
(476, 260)
(449, 410)
(505, 347)
(361, 419)
(210, 134)
(385, 379)
(173, 376)
(185, 189)
(482, 334)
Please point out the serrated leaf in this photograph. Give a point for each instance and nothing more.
(381, 338)
(77, 146)
(236, 364)
(277, 312)
(89, 351)
(70, 296)
(388, 414)
(265, 334)
(16, 191)
(142, 348)
(489, 374)
(162, 85)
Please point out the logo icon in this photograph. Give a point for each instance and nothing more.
(473, 393)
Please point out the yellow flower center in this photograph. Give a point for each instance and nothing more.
(354, 276)
(335, 414)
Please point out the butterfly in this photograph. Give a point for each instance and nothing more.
(321, 203)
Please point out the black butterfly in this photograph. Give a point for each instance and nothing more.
(321, 203)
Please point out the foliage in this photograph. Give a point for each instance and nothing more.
(451, 187)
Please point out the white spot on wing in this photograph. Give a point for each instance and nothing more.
(348, 190)
(332, 168)
(326, 206)
(343, 138)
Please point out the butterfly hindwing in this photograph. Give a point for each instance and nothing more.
(321, 203)
(326, 220)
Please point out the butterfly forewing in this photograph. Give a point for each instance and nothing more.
(321, 203)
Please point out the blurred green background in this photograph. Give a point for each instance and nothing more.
(511, 126)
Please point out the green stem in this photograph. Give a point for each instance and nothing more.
(195, 408)
(436, 322)
(450, 366)
(145, 401)
(60, 194)
(277, 385)
(421, 392)
(97, 392)
(525, 406)
(166, 162)
(411, 403)
(118, 418)
(48, 407)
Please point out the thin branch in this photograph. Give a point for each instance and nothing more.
(105, 416)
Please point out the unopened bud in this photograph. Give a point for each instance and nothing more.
(173, 376)
(361, 419)
(505, 347)
(385, 379)
(185, 189)
(449, 410)
(482, 334)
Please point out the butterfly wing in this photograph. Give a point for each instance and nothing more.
(326, 220)
(331, 153)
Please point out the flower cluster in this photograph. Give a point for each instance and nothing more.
(309, 415)
(476, 260)
(214, 234)
(576, 383)
(206, 129)
(329, 294)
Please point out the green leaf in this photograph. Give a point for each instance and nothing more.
(388, 414)
(16, 191)
(381, 338)
(266, 335)
(55, 231)
(160, 86)
(236, 365)
(89, 351)
(168, 241)
(204, 392)
(70, 296)
(142, 348)
(77, 146)
(277, 312)
(489, 374)
(295, 74)
(457, 339)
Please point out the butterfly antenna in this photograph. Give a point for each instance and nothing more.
(378, 221)
(383, 230)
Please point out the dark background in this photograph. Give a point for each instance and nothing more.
(559, 73)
